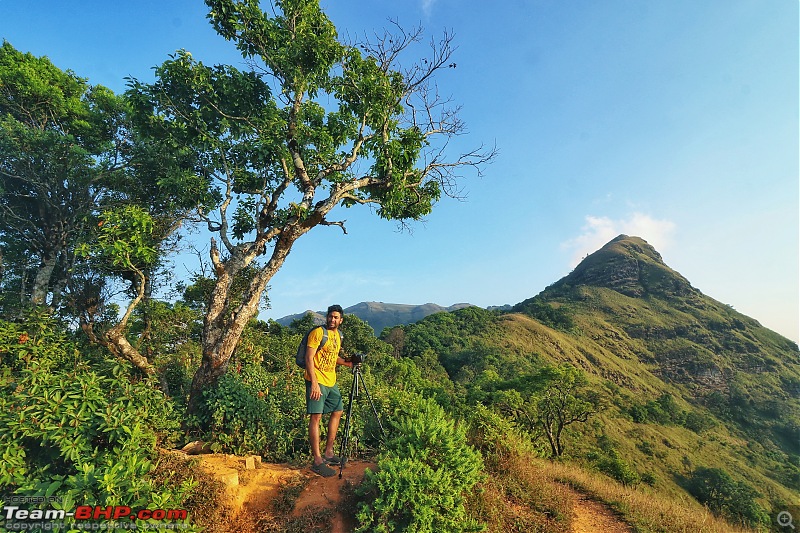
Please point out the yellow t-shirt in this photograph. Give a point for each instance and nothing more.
(325, 359)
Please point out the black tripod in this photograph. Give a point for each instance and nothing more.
(358, 381)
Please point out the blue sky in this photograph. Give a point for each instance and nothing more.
(674, 121)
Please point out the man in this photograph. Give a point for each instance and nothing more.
(322, 393)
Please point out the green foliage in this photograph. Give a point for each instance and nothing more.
(735, 500)
(124, 239)
(616, 467)
(446, 333)
(608, 461)
(86, 434)
(551, 400)
(663, 411)
(552, 315)
(169, 334)
(197, 294)
(255, 412)
(497, 437)
(514, 494)
(359, 337)
(56, 147)
(423, 476)
(37, 338)
(269, 344)
(301, 325)
(699, 422)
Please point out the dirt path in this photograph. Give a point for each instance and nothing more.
(592, 516)
(251, 487)
(326, 492)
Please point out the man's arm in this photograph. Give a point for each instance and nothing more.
(316, 393)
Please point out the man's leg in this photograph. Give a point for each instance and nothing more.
(333, 427)
(313, 436)
(315, 408)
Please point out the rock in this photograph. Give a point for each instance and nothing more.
(196, 447)
(229, 477)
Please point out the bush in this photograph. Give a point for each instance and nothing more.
(422, 476)
(608, 461)
(255, 412)
(734, 500)
(616, 467)
(664, 411)
(699, 422)
(84, 434)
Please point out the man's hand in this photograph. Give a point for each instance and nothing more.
(316, 393)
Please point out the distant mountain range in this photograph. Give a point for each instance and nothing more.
(381, 315)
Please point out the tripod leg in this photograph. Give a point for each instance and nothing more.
(374, 411)
(349, 417)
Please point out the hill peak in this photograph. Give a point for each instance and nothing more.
(633, 246)
(631, 266)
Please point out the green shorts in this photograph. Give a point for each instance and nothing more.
(330, 401)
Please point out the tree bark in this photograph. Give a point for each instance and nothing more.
(41, 283)
(223, 326)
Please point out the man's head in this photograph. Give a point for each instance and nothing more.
(334, 317)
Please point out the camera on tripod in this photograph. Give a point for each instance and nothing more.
(357, 358)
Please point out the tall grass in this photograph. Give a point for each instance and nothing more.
(518, 496)
(644, 509)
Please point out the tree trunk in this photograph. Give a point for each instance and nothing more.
(114, 339)
(41, 283)
(116, 343)
(223, 326)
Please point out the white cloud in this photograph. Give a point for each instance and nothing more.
(427, 7)
(599, 230)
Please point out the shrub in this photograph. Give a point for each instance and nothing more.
(699, 422)
(616, 467)
(85, 434)
(735, 500)
(515, 494)
(608, 461)
(422, 476)
(253, 411)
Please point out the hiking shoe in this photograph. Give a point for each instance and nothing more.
(335, 460)
(323, 470)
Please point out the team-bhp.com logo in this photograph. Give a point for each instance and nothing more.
(115, 512)
(88, 517)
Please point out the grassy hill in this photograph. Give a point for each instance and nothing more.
(690, 385)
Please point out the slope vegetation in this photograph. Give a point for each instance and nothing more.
(693, 391)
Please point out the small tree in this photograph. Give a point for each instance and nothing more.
(564, 401)
(317, 124)
(558, 397)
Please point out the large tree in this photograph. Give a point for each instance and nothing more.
(85, 203)
(57, 149)
(316, 124)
